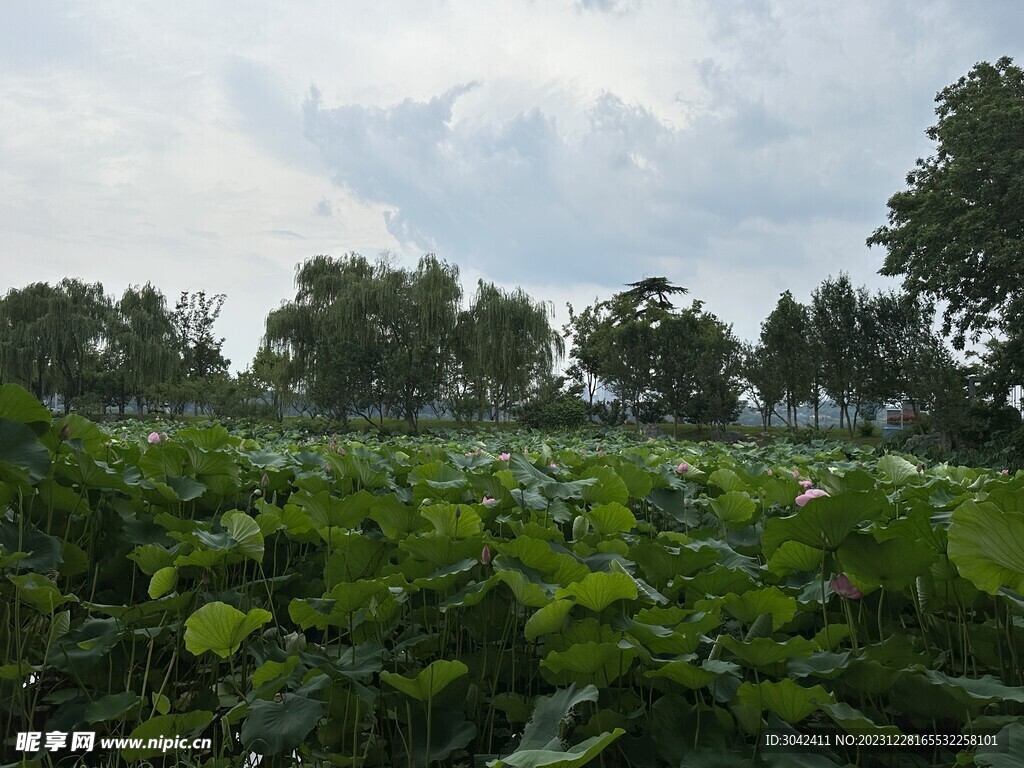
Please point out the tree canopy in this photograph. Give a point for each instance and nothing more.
(957, 233)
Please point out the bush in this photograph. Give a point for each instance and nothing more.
(564, 411)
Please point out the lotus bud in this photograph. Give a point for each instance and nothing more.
(265, 480)
(65, 432)
(154, 438)
(485, 555)
(580, 527)
(682, 468)
(458, 512)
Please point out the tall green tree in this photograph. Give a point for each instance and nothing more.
(140, 345)
(26, 338)
(787, 340)
(631, 343)
(77, 319)
(843, 348)
(506, 346)
(762, 377)
(589, 333)
(956, 234)
(417, 312)
(329, 333)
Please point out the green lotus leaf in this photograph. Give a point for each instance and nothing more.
(19, 405)
(599, 590)
(854, 721)
(185, 488)
(793, 557)
(896, 469)
(276, 727)
(111, 707)
(271, 670)
(39, 592)
(824, 665)
(588, 663)
(788, 700)
(638, 482)
(429, 682)
(19, 447)
(246, 533)
(693, 676)
(892, 564)
(544, 729)
(538, 555)
(573, 757)
(42, 552)
(825, 522)
(755, 602)
(220, 628)
(763, 652)
(970, 691)
(163, 581)
(608, 488)
(733, 506)
(526, 592)
(1009, 752)
(548, 619)
(162, 726)
(446, 523)
(470, 595)
(727, 480)
(610, 519)
(986, 544)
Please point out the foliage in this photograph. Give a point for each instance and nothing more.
(553, 407)
(956, 234)
(423, 600)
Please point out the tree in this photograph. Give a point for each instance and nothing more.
(763, 379)
(418, 313)
(787, 340)
(505, 347)
(630, 342)
(838, 322)
(200, 358)
(140, 345)
(589, 333)
(328, 332)
(26, 334)
(957, 234)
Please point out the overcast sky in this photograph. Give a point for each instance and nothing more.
(738, 148)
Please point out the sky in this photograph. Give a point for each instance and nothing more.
(569, 147)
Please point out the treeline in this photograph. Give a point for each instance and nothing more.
(374, 340)
(74, 342)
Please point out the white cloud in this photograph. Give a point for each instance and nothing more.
(739, 149)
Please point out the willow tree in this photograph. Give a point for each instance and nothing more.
(417, 312)
(330, 334)
(140, 344)
(26, 351)
(506, 344)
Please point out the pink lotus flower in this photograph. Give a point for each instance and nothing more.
(806, 483)
(843, 587)
(796, 474)
(485, 555)
(1005, 472)
(682, 468)
(487, 501)
(154, 438)
(504, 456)
(553, 465)
(770, 472)
(810, 493)
(469, 454)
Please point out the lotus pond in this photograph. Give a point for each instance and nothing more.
(504, 600)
